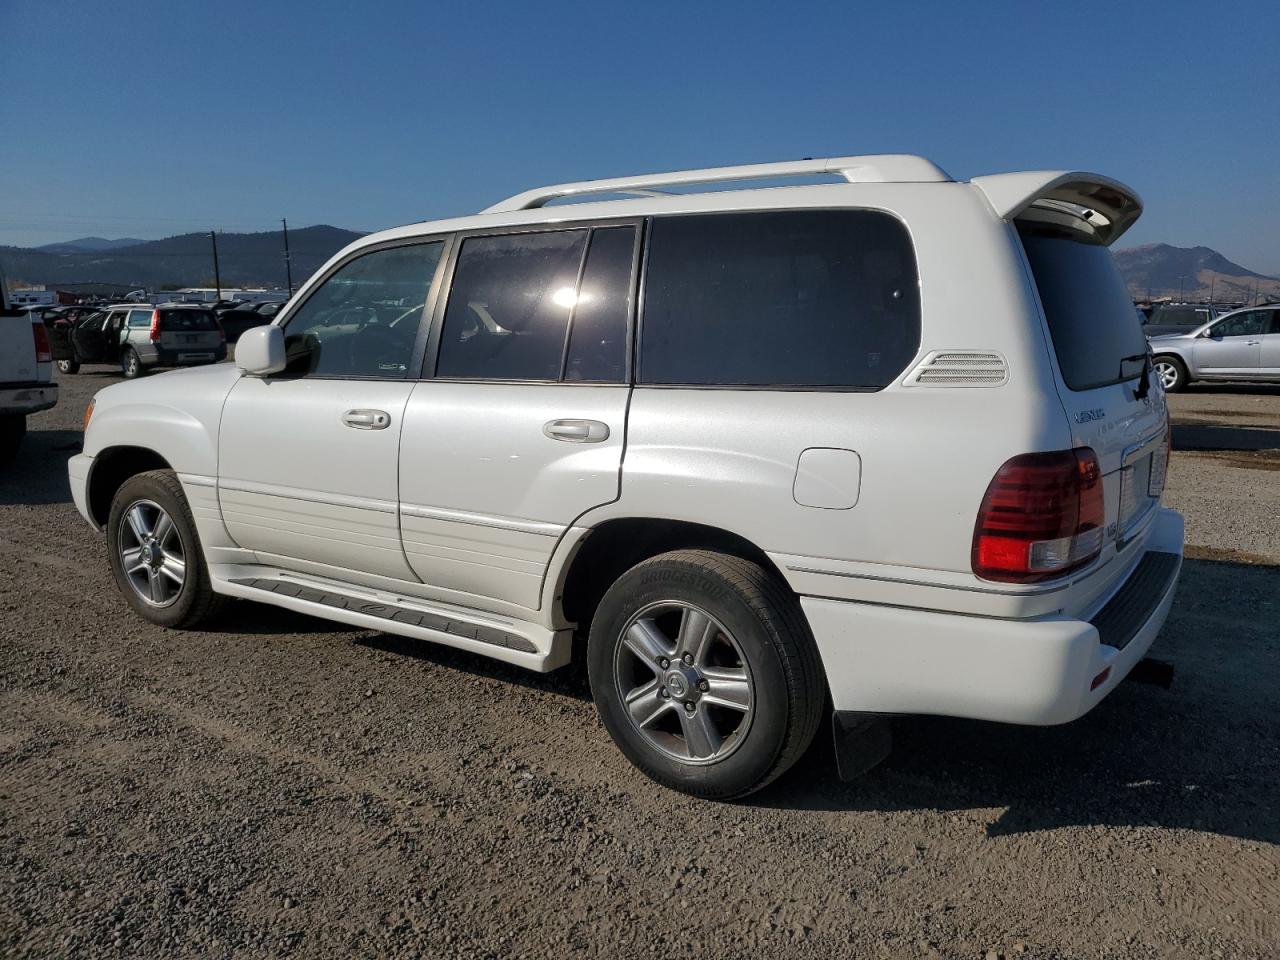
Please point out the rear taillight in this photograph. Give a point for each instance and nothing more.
(1043, 516)
(43, 353)
(222, 333)
(155, 326)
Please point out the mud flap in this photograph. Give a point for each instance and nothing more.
(861, 741)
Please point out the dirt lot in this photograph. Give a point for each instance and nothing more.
(282, 786)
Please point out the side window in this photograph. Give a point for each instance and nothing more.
(787, 298)
(363, 321)
(598, 328)
(1249, 324)
(139, 318)
(94, 323)
(1275, 321)
(509, 307)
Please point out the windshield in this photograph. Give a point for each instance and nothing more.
(1087, 305)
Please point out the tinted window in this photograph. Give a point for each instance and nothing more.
(1275, 321)
(1087, 306)
(1250, 324)
(793, 298)
(363, 321)
(1182, 317)
(140, 318)
(187, 321)
(598, 337)
(509, 306)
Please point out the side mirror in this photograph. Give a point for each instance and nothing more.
(260, 351)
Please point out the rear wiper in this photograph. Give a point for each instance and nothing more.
(1140, 392)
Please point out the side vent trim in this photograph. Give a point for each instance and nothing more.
(959, 368)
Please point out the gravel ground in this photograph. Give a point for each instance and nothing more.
(279, 786)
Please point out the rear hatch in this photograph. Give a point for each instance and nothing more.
(190, 331)
(1113, 401)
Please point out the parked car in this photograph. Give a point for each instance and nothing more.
(67, 316)
(1178, 318)
(236, 322)
(1242, 345)
(141, 338)
(758, 448)
(26, 373)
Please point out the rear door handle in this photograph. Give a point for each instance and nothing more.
(367, 419)
(576, 431)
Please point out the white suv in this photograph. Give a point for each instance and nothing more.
(892, 441)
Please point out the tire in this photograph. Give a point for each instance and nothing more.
(131, 364)
(184, 605)
(13, 427)
(1172, 373)
(69, 366)
(755, 627)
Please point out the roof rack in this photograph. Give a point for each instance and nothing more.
(873, 168)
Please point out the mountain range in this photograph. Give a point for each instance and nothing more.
(257, 259)
(244, 259)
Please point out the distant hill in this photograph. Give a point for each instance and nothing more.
(244, 259)
(1160, 270)
(89, 243)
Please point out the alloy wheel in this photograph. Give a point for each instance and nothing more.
(1167, 373)
(151, 553)
(684, 682)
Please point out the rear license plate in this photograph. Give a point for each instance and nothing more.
(189, 338)
(1135, 483)
(1159, 467)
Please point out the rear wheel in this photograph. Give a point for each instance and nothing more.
(704, 673)
(1172, 373)
(13, 427)
(131, 364)
(155, 552)
(69, 366)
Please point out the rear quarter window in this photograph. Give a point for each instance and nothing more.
(797, 298)
(1087, 306)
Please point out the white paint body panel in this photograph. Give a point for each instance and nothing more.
(486, 494)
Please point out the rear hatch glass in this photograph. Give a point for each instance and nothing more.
(1112, 401)
(1095, 331)
(187, 321)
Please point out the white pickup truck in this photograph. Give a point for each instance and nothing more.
(26, 374)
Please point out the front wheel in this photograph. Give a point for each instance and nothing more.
(131, 364)
(68, 366)
(155, 552)
(1172, 373)
(704, 673)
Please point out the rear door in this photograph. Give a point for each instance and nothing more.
(1232, 347)
(1112, 398)
(91, 336)
(520, 430)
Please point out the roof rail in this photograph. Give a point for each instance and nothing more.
(873, 168)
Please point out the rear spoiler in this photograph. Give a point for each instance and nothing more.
(1106, 207)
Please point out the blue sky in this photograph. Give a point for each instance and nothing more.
(148, 119)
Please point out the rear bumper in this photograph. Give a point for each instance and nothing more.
(882, 659)
(185, 358)
(23, 398)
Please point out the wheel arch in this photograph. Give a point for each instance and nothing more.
(111, 468)
(607, 550)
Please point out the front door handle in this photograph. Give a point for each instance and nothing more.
(367, 419)
(576, 431)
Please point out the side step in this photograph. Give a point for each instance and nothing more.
(518, 642)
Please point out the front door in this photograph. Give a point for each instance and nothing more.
(307, 459)
(1232, 346)
(520, 430)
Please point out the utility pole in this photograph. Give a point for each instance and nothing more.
(288, 265)
(217, 277)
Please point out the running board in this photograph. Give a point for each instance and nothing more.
(512, 641)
